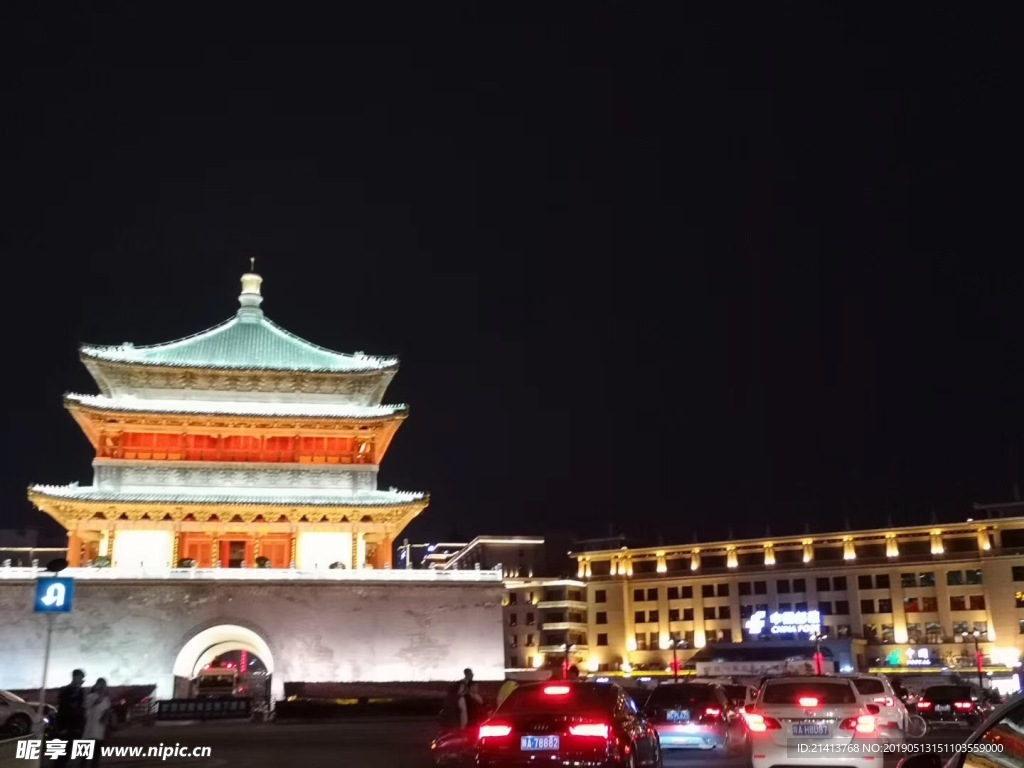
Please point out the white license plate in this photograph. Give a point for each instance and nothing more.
(942, 707)
(538, 743)
(678, 715)
(810, 729)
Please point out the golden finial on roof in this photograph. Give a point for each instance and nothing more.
(251, 298)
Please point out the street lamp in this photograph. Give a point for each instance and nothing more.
(975, 635)
(819, 659)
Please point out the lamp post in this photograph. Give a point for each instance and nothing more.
(975, 636)
(675, 645)
(819, 659)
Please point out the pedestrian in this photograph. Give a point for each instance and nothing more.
(470, 701)
(70, 720)
(98, 712)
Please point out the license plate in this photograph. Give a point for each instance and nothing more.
(678, 715)
(810, 729)
(942, 707)
(538, 743)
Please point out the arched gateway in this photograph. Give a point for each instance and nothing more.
(204, 646)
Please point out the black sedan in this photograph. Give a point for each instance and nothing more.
(588, 725)
(954, 705)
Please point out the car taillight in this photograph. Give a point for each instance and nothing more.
(758, 723)
(808, 701)
(922, 704)
(597, 730)
(860, 724)
(556, 690)
(712, 712)
(885, 701)
(492, 731)
(964, 705)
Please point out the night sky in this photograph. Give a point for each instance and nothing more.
(651, 274)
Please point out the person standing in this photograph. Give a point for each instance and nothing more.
(471, 702)
(98, 711)
(70, 721)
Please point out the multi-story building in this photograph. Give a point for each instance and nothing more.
(545, 623)
(913, 597)
(518, 556)
(239, 446)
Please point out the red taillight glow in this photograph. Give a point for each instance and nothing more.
(964, 705)
(860, 724)
(885, 701)
(556, 690)
(597, 730)
(492, 731)
(758, 723)
(808, 701)
(922, 704)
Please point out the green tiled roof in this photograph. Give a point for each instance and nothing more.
(248, 341)
(210, 496)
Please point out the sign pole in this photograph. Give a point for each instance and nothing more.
(46, 664)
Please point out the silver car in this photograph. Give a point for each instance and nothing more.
(17, 717)
(696, 716)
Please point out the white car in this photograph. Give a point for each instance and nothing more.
(811, 721)
(892, 715)
(17, 718)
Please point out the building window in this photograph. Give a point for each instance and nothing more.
(708, 590)
(911, 605)
(1020, 599)
(513, 642)
(908, 580)
(641, 641)
(929, 604)
(600, 596)
(762, 607)
(825, 607)
(914, 633)
(867, 606)
(652, 594)
(760, 587)
(864, 582)
(799, 585)
(638, 595)
(722, 590)
(601, 617)
(639, 617)
(973, 576)
(959, 628)
(673, 614)
(885, 605)
(687, 614)
(652, 617)
(822, 584)
(839, 583)
(744, 588)
(1020, 626)
(723, 612)
(746, 611)
(843, 630)
(688, 637)
(782, 586)
(888, 636)
(977, 602)
(530, 621)
(512, 598)
(926, 579)
(673, 593)
(725, 635)
(957, 603)
(529, 641)
(709, 613)
(513, 620)
(785, 607)
(882, 581)
(955, 578)
(842, 608)
(981, 627)
(932, 632)
(513, 662)
(1018, 572)
(801, 606)
(687, 593)
(602, 638)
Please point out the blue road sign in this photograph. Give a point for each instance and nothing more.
(54, 595)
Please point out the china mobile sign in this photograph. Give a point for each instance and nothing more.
(784, 623)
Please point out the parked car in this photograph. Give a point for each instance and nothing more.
(892, 715)
(17, 717)
(696, 716)
(953, 705)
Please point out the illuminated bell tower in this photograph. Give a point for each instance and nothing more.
(239, 446)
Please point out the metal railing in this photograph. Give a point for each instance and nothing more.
(143, 573)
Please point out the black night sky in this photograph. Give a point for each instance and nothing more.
(661, 274)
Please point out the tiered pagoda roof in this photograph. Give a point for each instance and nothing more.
(129, 404)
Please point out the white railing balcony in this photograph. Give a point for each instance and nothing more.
(142, 573)
(575, 605)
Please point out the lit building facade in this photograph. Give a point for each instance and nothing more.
(545, 623)
(240, 446)
(908, 598)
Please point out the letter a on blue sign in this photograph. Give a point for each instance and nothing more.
(54, 595)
